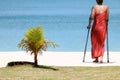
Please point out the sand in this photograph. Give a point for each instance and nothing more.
(60, 59)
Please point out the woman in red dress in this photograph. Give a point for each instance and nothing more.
(99, 16)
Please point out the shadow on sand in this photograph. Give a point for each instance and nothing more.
(30, 63)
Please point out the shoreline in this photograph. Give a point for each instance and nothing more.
(59, 58)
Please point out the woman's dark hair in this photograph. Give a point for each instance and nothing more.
(99, 1)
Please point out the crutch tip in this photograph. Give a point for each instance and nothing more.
(83, 60)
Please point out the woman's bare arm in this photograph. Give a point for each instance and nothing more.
(91, 17)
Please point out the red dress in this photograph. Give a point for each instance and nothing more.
(98, 34)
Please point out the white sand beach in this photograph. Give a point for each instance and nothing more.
(60, 59)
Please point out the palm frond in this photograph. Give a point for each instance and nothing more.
(34, 41)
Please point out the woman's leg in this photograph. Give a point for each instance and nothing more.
(101, 59)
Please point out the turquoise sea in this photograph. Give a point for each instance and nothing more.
(63, 21)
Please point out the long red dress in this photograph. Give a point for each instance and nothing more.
(98, 34)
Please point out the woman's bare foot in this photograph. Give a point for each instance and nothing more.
(101, 59)
(96, 60)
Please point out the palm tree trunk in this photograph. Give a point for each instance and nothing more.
(35, 59)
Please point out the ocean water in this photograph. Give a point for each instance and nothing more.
(63, 21)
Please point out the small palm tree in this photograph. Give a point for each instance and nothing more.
(35, 43)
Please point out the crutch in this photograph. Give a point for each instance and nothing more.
(86, 45)
(107, 47)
